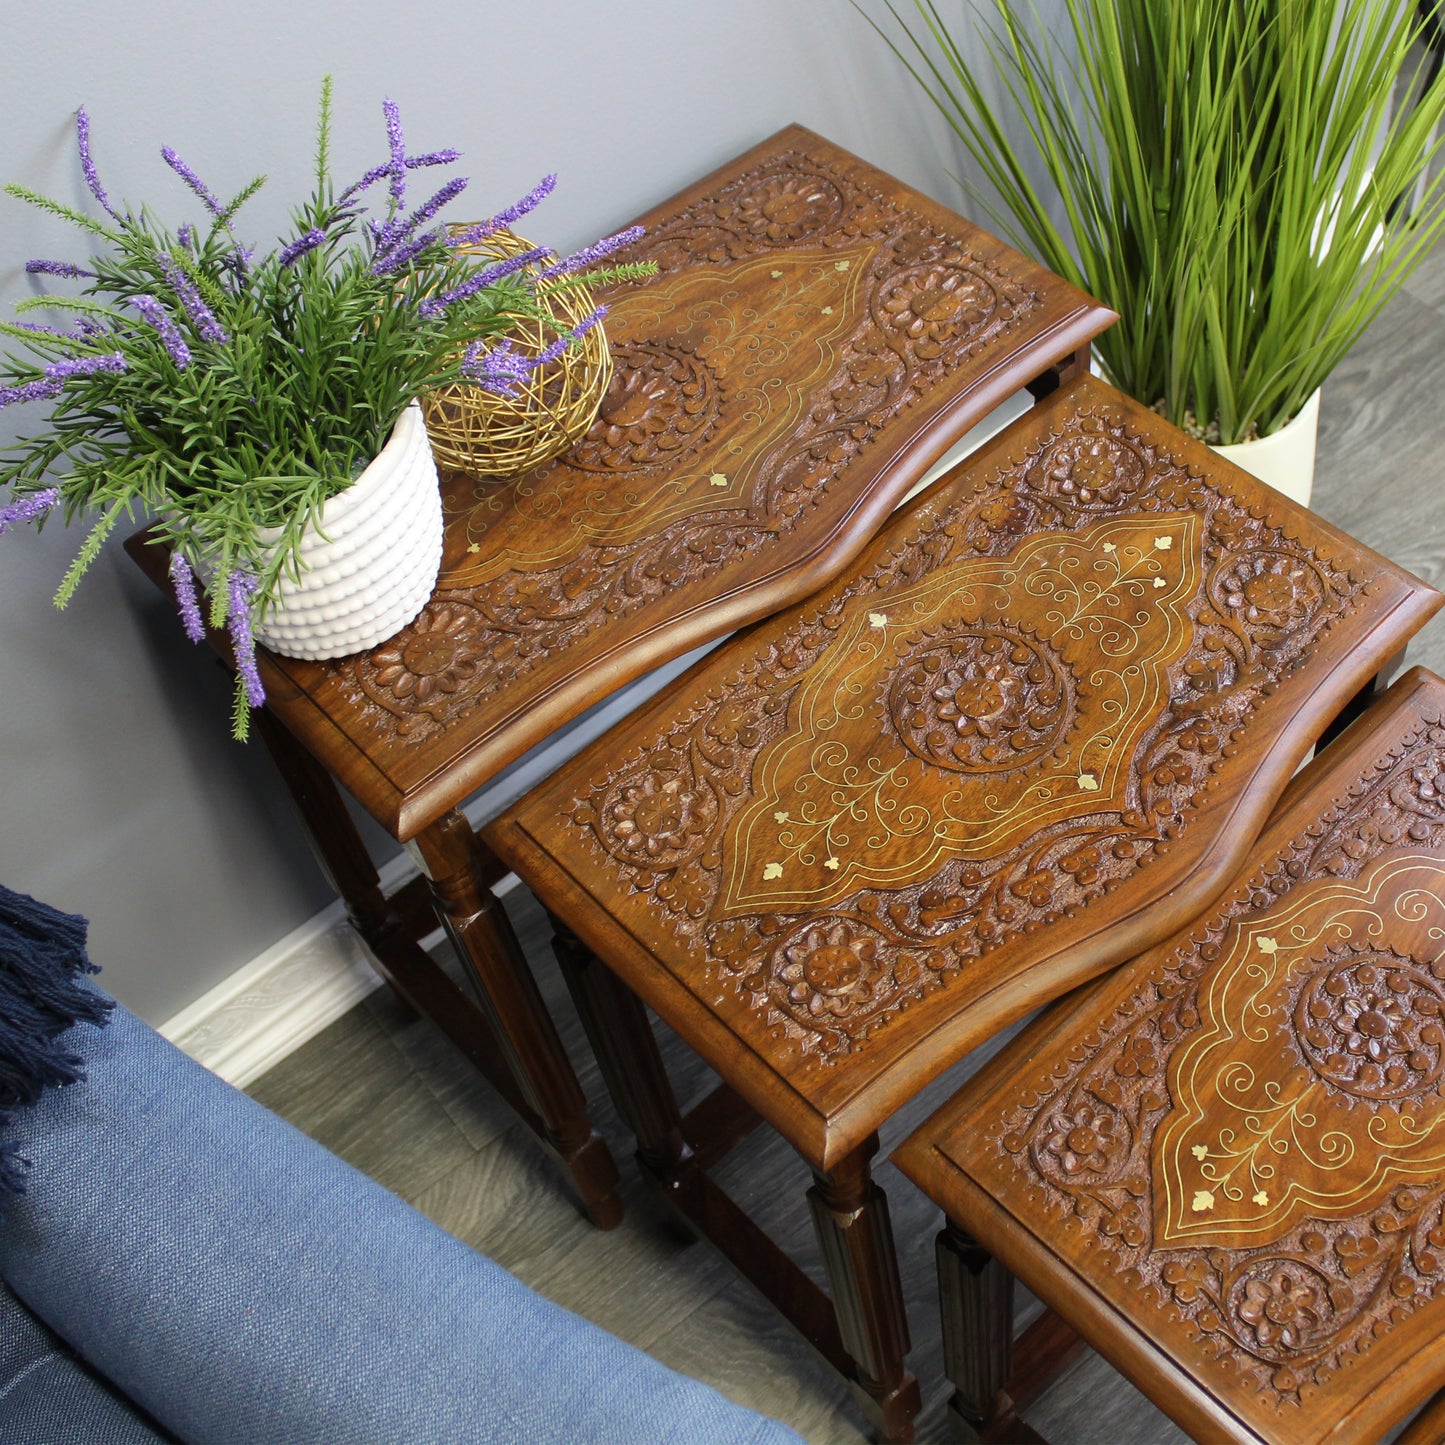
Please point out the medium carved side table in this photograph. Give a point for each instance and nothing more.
(1225, 1165)
(1033, 729)
(819, 334)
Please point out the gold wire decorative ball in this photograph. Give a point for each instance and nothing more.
(479, 431)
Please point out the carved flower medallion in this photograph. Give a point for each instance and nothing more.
(934, 306)
(1092, 469)
(433, 658)
(832, 968)
(656, 818)
(784, 205)
(1080, 1142)
(1373, 1025)
(1268, 588)
(984, 699)
(1284, 1307)
(662, 401)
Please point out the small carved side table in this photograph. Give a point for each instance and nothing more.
(818, 336)
(1033, 729)
(1225, 1165)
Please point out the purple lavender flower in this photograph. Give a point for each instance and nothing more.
(395, 233)
(398, 151)
(192, 180)
(158, 317)
(503, 369)
(435, 305)
(40, 330)
(239, 260)
(82, 136)
(301, 245)
(593, 253)
(84, 366)
(41, 390)
(238, 621)
(202, 317)
(534, 198)
(56, 268)
(28, 508)
(430, 158)
(184, 581)
(402, 255)
(186, 236)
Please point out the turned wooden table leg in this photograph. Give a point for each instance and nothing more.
(453, 860)
(850, 1218)
(977, 1297)
(627, 1054)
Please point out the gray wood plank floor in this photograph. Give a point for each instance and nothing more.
(387, 1093)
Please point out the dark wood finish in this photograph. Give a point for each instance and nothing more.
(453, 861)
(819, 335)
(977, 1329)
(1033, 730)
(850, 1219)
(509, 1037)
(1225, 1164)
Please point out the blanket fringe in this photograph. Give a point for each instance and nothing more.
(42, 962)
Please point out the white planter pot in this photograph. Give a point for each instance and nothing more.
(1285, 459)
(371, 564)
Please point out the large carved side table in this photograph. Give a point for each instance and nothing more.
(1033, 729)
(819, 334)
(1225, 1165)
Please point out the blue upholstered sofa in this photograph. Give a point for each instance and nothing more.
(185, 1265)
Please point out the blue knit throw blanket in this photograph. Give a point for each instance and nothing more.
(42, 960)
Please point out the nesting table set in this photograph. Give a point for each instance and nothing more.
(1040, 722)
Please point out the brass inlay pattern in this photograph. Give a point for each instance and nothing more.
(736, 332)
(1323, 1120)
(877, 814)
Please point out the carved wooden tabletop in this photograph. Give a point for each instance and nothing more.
(1225, 1164)
(1033, 730)
(818, 335)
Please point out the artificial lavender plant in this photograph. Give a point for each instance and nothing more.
(225, 391)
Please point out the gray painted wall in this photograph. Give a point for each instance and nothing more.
(120, 794)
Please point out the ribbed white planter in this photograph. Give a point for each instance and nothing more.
(370, 565)
(1285, 459)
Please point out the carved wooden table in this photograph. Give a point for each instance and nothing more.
(819, 334)
(1225, 1165)
(1033, 730)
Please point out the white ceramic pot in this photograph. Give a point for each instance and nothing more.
(1285, 459)
(370, 565)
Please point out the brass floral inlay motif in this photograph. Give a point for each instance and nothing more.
(950, 661)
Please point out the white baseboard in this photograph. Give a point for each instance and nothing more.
(308, 979)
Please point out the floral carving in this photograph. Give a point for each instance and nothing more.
(783, 206)
(1294, 1296)
(936, 305)
(422, 669)
(959, 697)
(1373, 1025)
(982, 700)
(656, 817)
(830, 968)
(1286, 1307)
(1094, 469)
(661, 402)
(1081, 1142)
(1268, 588)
